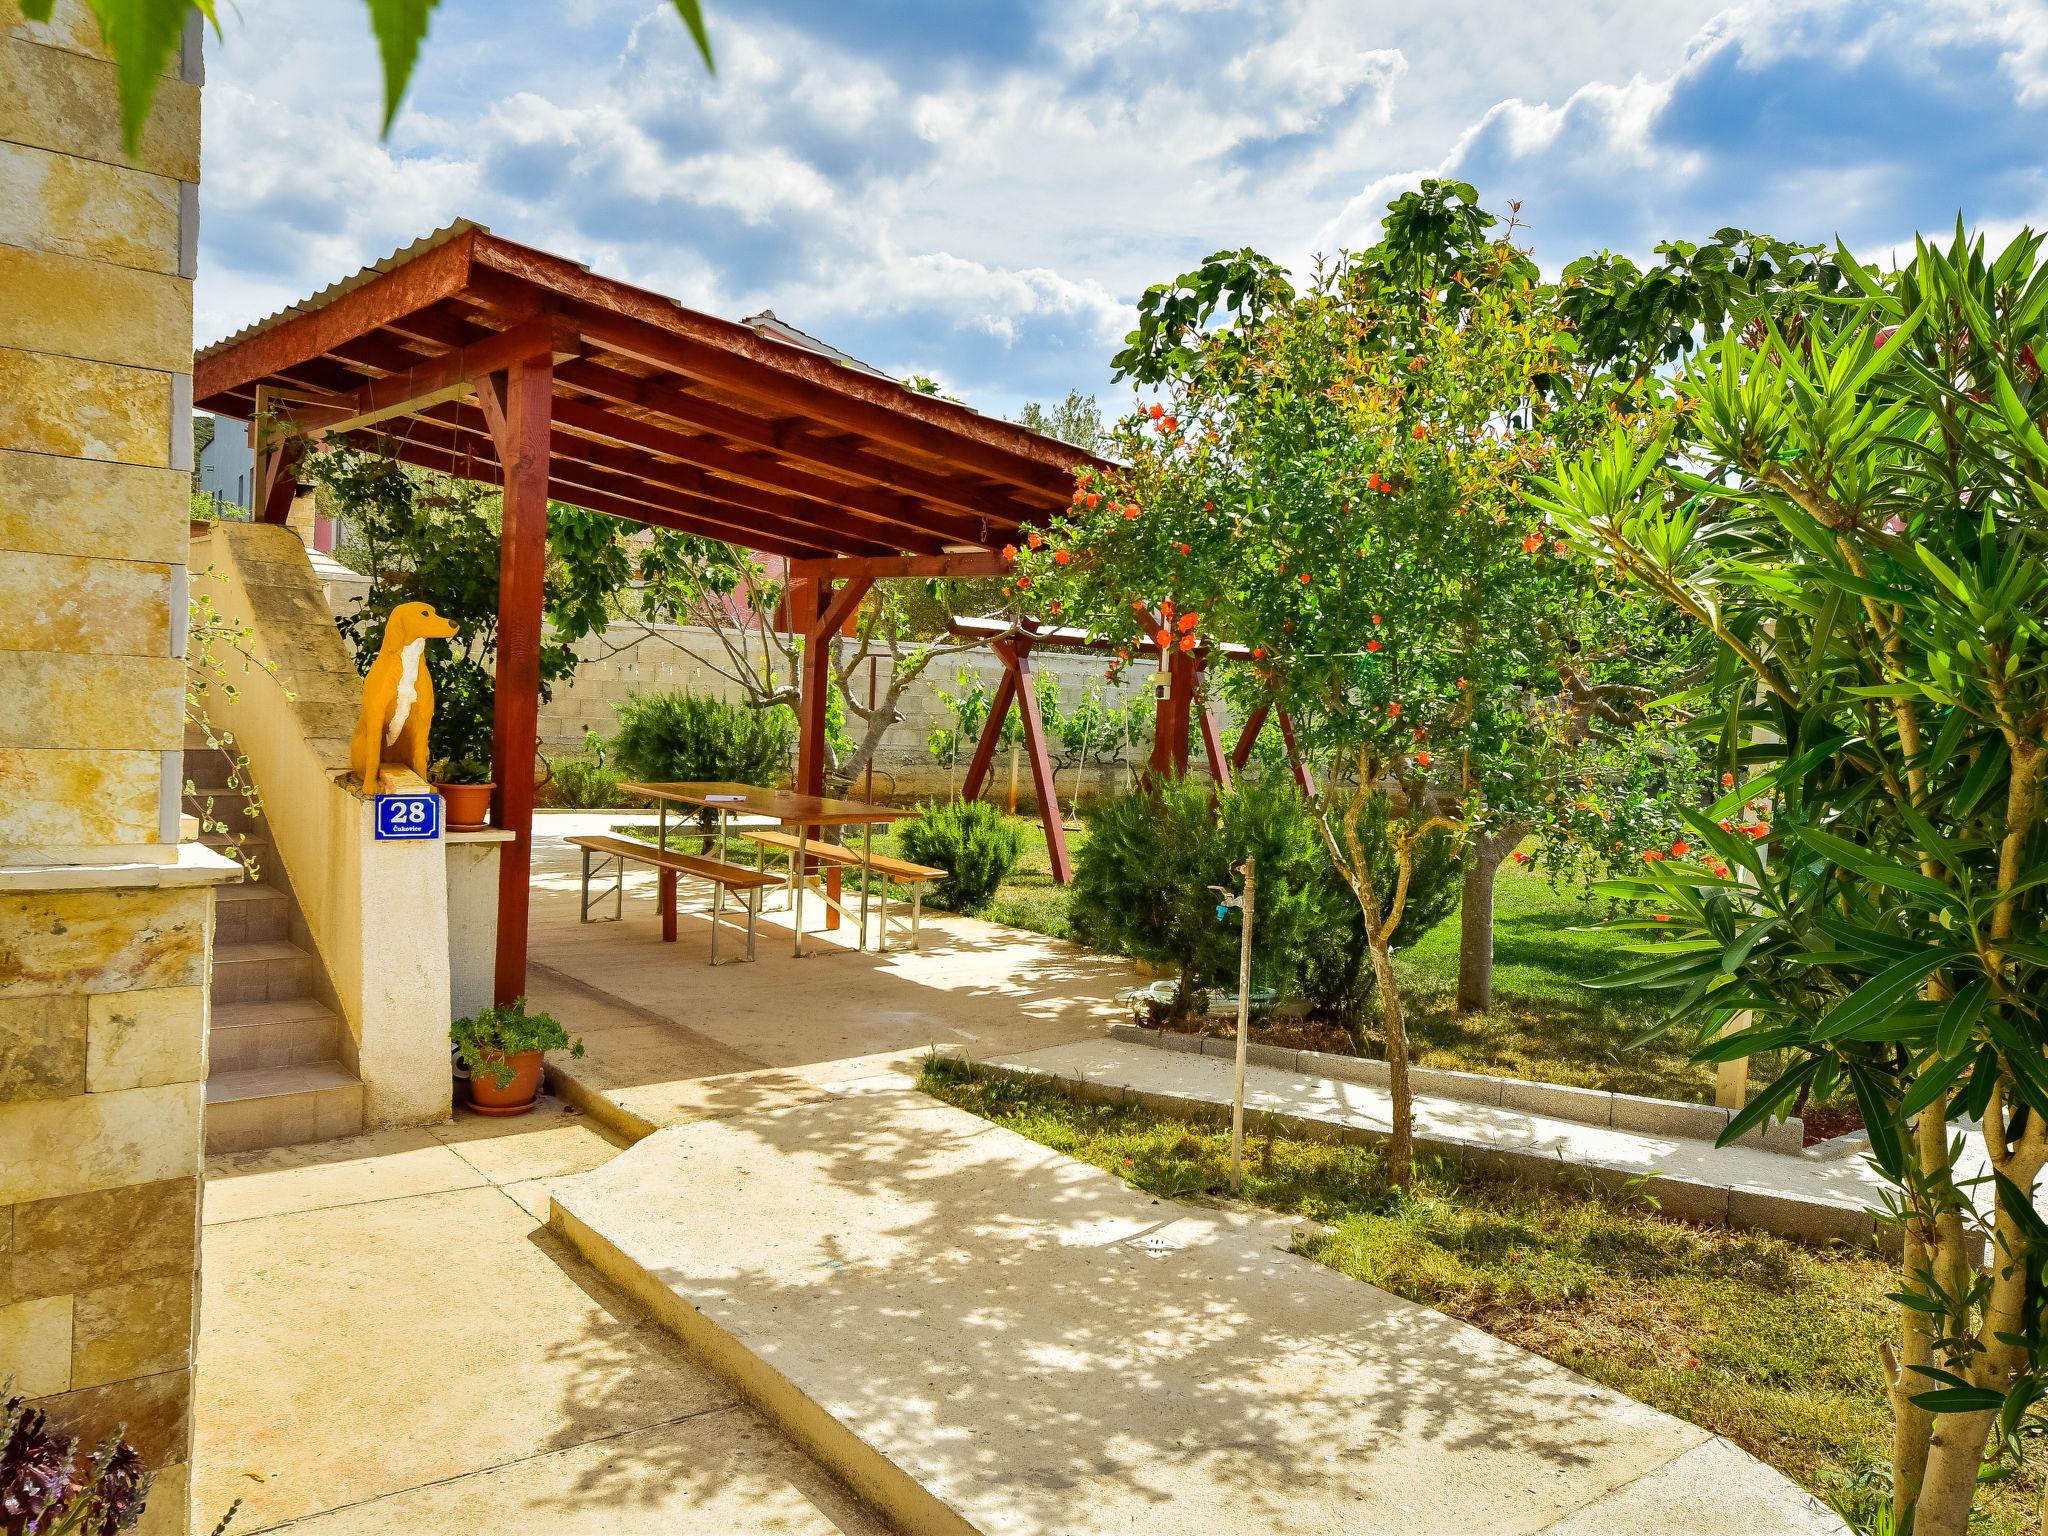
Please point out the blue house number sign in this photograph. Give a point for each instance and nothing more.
(408, 818)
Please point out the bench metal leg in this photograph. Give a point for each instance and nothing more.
(618, 884)
(916, 909)
(753, 912)
(717, 903)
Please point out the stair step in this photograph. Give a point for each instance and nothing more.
(250, 911)
(248, 1036)
(261, 970)
(282, 1106)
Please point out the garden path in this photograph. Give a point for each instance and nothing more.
(1792, 1194)
(982, 1335)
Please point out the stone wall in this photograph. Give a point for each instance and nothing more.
(105, 919)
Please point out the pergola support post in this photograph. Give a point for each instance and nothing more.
(521, 400)
(1212, 741)
(1015, 653)
(818, 610)
(1174, 717)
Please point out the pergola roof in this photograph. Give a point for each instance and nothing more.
(756, 434)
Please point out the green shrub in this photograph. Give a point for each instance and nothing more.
(1143, 882)
(486, 1039)
(581, 784)
(665, 737)
(970, 840)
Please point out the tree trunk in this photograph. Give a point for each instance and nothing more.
(1483, 857)
(1401, 1144)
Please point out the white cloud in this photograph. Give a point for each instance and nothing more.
(986, 216)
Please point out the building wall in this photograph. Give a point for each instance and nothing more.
(227, 464)
(105, 919)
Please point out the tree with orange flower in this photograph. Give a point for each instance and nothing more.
(1335, 481)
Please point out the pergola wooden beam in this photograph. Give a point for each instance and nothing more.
(449, 377)
(957, 565)
(1018, 688)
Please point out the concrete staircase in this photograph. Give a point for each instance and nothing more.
(276, 1076)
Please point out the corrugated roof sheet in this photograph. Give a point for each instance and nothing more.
(333, 291)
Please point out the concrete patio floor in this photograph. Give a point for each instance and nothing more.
(393, 1342)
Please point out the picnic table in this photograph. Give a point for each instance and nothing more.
(805, 813)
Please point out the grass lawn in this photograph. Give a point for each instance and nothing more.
(1769, 1343)
(1545, 1023)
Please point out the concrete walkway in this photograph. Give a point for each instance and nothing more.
(1751, 1177)
(392, 1343)
(981, 1335)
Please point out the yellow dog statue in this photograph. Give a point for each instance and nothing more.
(398, 697)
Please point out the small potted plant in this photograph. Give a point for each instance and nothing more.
(465, 784)
(502, 1047)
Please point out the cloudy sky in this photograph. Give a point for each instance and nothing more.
(977, 189)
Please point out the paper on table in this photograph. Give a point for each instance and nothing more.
(725, 799)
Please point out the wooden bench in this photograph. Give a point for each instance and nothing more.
(901, 871)
(746, 884)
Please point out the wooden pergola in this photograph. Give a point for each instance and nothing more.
(1172, 720)
(493, 361)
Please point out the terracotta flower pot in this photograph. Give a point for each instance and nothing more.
(517, 1096)
(469, 805)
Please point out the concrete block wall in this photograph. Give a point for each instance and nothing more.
(105, 920)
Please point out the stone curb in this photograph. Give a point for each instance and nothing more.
(1588, 1106)
(1725, 1205)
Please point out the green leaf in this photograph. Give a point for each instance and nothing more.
(141, 35)
(37, 10)
(1773, 1098)
(693, 17)
(400, 26)
(1879, 993)
(1887, 1150)
(1952, 1034)
(1931, 1084)
(1847, 855)
(1958, 1400)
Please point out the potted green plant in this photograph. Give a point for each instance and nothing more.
(503, 1048)
(465, 784)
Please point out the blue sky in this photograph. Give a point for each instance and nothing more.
(977, 190)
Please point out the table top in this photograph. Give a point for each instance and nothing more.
(784, 806)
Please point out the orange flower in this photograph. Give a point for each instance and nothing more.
(1169, 424)
(1304, 578)
(1155, 410)
(1532, 543)
(1373, 645)
(1023, 582)
(1424, 758)
(1420, 431)
(1094, 500)
(1061, 557)
(1680, 849)
(1663, 918)
(1727, 781)
(1185, 549)
(1258, 651)
(1375, 618)
(1189, 621)
(1519, 857)
(1130, 511)
(1372, 481)
(1036, 540)
(1167, 607)
(1760, 831)
(1166, 637)
(1187, 642)
(1009, 551)
(1394, 710)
